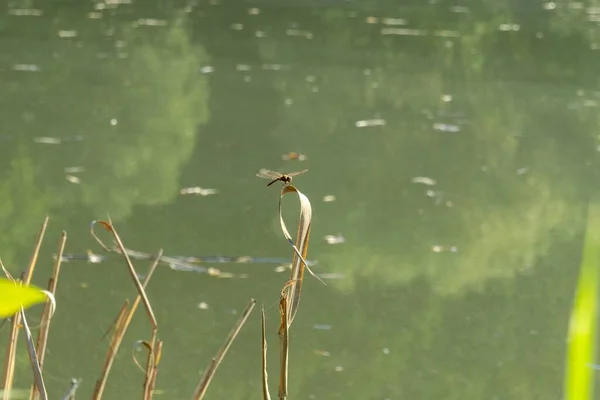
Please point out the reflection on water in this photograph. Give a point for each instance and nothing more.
(452, 151)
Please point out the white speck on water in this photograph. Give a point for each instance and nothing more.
(334, 239)
(73, 179)
(446, 127)
(67, 34)
(370, 122)
(26, 68)
(522, 171)
(386, 350)
(424, 180)
(113, 121)
(47, 140)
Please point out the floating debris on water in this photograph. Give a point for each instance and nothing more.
(329, 198)
(446, 98)
(67, 34)
(237, 27)
(334, 239)
(187, 268)
(322, 327)
(151, 22)
(198, 191)
(94, 258)
(509, 27)
(26, 68)
(339, 368)
(446, 127)
(424, 180)
(323, 353)
(73, 179)
(25, 12)
(522, 171)
(403, 31)
(254, 11)
(300, 33)
(439, 249)
(47, 140)
(202, 305)
(393, 21)
(386, 351)
(370, 122)
(243, 67)
(207, 69)
(283, 268)
(292, 155)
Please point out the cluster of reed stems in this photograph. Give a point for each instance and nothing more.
(289, 298)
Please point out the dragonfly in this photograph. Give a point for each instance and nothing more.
(277, 176)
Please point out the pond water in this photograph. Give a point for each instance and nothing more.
(452, 149)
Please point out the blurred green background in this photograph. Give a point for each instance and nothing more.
(457, 286)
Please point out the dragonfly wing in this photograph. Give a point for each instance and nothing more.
(297, 173)
(268, 174)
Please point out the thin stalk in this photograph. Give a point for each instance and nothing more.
(11, 348)
(283, 345)
(42, 338)
(212, 369)
(265, 383)
(122, 324)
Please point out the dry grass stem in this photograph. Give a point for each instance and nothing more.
(111, 353)
(123, 321)
(38, 379)
(283, 345)
(42, 338)
(212, 369)
(265, 381)
(11, 348)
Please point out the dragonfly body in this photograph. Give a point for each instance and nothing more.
(286, 179)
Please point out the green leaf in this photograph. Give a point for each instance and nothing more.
(14, 296)
(579, 374)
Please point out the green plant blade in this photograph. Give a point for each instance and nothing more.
(13, 297)
(581, 346)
